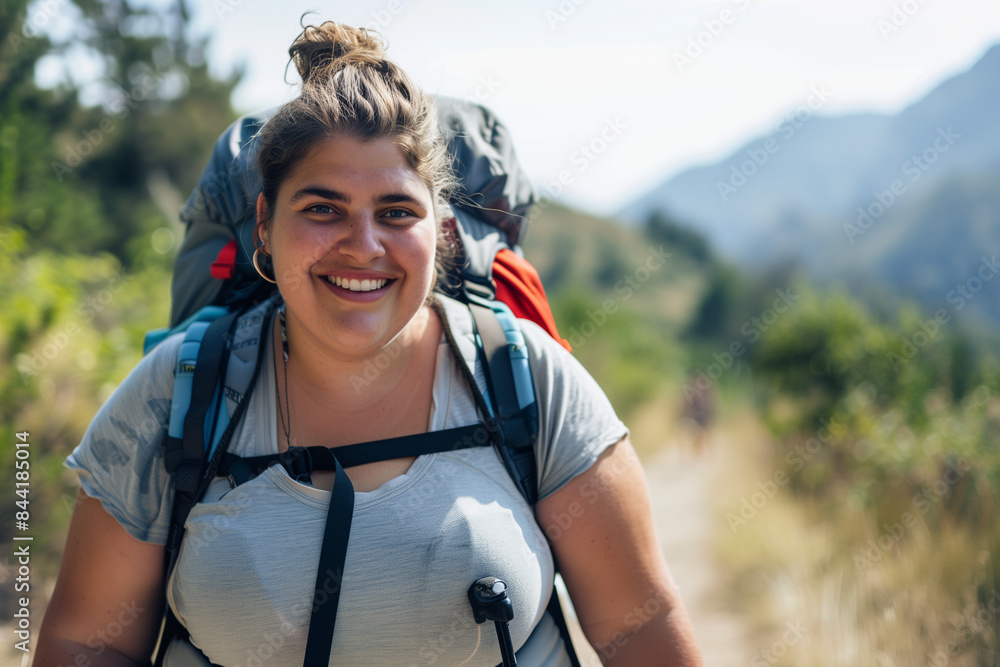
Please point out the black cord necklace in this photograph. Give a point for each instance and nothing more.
(284, 353)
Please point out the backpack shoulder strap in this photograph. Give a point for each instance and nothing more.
(487, 332)
(217, 366)
(508, 376)
(500, 345)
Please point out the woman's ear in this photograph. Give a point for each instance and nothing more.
(262, 227)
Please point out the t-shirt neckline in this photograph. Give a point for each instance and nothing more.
(265, 406)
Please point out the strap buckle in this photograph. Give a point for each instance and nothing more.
(479, 289)
(298, 461)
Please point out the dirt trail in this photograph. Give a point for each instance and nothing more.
(681, 484)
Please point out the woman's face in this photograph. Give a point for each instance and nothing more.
(352, 240)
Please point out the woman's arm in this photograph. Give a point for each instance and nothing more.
(600, 526)
(108, 601)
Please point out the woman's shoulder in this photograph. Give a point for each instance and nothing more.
(460, 322)
(552, 366)
(153, 375)
(576, 420)
(120, 459)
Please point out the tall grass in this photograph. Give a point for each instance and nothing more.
(862, 581)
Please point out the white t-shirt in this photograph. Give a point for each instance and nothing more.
(244, 580)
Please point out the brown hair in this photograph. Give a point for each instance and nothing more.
(350, 87)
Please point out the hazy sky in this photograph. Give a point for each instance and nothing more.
(667, 84)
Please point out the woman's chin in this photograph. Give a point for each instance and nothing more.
(361, 336)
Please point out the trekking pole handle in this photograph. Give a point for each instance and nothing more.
(489, 600)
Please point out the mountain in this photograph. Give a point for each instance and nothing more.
(828, 192)
(942, 247)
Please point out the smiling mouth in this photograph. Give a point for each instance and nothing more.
(355, 285)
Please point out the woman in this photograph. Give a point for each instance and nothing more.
(354, 174)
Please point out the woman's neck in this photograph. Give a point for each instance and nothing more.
(317, 374)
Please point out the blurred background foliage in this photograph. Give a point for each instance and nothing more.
(884, 396)
(92, 174)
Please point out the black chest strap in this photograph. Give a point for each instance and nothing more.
(301, 462)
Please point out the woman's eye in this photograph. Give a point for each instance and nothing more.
(398, 214)
(321, 208)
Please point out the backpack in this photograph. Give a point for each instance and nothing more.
(222, 305)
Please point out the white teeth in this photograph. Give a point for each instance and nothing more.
(356, 285)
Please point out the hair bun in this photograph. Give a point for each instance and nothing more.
(330, 47)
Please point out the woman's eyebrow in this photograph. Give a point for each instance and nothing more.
(318, 191)
(336, 195)
(398, 198)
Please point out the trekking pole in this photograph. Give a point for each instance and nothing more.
(490, 603)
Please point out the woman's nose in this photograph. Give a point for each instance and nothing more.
(361, 239)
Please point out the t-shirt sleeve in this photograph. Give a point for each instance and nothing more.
(576, 419)
(120, 459)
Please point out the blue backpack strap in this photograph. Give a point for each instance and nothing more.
(187, 357)
(201, 420)
(511, 392)
(195, 329)
(155, 336)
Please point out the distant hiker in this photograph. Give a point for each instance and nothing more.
(698, 412)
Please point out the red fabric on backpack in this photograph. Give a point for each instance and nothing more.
(519, 286)
(225, 263)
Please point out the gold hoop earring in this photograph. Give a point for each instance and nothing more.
(256, 265)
